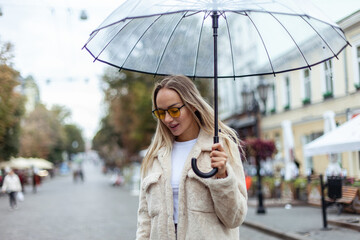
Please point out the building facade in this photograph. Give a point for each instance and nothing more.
(304, 97)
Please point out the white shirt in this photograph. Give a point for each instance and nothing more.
(11, 183)
(179, 155)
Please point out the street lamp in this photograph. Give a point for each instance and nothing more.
(83, 15)
(263, 89)
(251, 106)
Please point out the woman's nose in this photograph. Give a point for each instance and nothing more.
(168, 117)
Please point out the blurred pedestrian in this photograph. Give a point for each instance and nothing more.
(78, 173)
(12, 186)
(35, 180)
(174, 202)
(21, 175)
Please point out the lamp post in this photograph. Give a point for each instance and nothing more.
(263, 89)
(83, 15)
(251, 106)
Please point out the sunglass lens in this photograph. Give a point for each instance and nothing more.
(159, 114)
(174, 112)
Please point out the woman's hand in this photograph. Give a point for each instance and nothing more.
(218, 160)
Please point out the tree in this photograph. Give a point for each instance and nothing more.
(6, 53)
(107, 143)
(43, 135)
(128, 95)
(205, 87)
(74, 139)
(11, 105)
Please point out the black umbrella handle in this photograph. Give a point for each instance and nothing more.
(215, 18)
(200, 173)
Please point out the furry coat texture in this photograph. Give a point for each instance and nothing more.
(208, 208)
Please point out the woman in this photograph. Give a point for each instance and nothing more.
(174, 202)
(12, 185)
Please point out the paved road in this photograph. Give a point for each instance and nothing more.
(64, 210)
(93, 210)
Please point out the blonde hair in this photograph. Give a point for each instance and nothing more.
(204, 116)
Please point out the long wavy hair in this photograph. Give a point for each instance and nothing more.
(204, 116)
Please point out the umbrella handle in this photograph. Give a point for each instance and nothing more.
(201, 174)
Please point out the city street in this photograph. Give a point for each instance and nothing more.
(64, 210)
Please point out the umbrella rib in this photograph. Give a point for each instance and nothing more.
(172, 33)
(136, 17)
(192, 13)
(302, 54)
(231, 47)
(96, 58)
(90, 38)
(320, 36)
(139, 41)
(198, 47)
(262, 40)
(341, 35)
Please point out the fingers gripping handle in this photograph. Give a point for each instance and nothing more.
(201, 174)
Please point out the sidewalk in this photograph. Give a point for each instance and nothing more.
(300, 222)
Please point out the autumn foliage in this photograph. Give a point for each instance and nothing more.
(259, 148)
(128, 126)
(11, 105)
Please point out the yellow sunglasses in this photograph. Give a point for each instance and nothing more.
(174, 112)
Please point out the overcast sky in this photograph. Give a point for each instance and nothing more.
(48, 36)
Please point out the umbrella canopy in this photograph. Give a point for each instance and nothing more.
(342, 139)
(20, 163)
(334, 167)
(329, 121)
(5, 164)
(25, 163)
(291, 170)
(176, 37)
(41, 163)
(168, 37)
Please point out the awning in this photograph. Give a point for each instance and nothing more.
(344, 138)
(243, 122)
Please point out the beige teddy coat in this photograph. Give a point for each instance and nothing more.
(208, 208)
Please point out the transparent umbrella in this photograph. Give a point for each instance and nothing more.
(182, 37)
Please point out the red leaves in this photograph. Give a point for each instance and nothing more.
(259, 148)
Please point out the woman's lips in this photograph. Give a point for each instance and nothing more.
(173, 127)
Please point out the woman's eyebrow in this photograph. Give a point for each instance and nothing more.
(172, 105)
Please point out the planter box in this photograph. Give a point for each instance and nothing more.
(287, 191)
(306, 101)
(314, 195)
(328, 95)
(357, 86)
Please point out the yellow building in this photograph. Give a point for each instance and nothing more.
(303, 97)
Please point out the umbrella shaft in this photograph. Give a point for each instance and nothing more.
(215, 18)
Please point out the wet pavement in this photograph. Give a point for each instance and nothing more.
(64, 210)
(304, 222)
(94, 210)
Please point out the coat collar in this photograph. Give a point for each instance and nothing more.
(203, 144)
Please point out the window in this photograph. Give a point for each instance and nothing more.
(278, 145)
(287, 93)
(328, 79)
(357, 81)
(307, 86)
(273, 97)
(308, 161)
